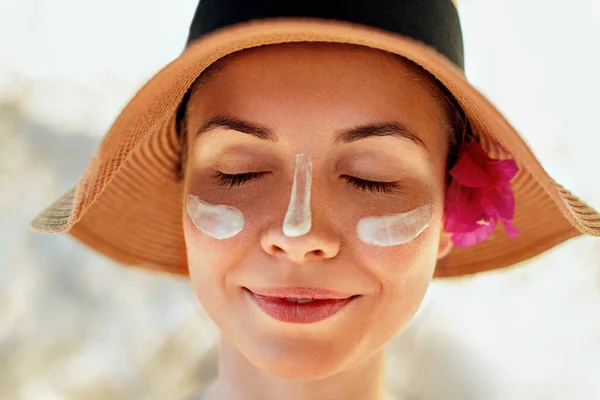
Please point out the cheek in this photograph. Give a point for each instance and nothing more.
(404, 273)
(209, 262)
(398, 266)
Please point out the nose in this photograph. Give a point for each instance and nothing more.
(318, 244)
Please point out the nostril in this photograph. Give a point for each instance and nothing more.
(276, 250)
(319, 253)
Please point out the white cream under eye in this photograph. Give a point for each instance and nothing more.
(395, 229)
(218, 221)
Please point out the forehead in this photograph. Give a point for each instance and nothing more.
(319, 88)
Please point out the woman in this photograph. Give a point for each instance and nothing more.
(312, 174)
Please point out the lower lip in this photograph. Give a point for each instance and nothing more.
(296, 313)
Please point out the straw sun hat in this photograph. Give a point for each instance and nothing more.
(127, 205)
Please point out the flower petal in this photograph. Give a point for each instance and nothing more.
(503, 199)
(510, 228)
(474, 168)
(500, 171)
(476, 152)
(479, 195)
(468, 239)
(469, 173)
(462, 208)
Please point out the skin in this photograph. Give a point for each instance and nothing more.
(327, 88)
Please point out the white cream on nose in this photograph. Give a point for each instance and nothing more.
(298, 218)
(216, 220)
(396, 229)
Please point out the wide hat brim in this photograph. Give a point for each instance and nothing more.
(128, 204)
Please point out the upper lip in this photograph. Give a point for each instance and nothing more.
(300, 293)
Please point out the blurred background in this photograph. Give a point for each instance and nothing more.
(73, 325)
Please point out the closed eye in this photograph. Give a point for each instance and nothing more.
(237, 179)
(373, 186)
(231, 180)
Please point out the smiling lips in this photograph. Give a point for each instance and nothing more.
(299, 305)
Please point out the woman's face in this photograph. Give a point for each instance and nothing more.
(304, 98)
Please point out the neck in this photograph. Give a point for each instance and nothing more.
(239, 379)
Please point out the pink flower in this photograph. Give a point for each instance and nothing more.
(479, 195)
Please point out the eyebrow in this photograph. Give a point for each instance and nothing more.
(393, 128)
(236, 124)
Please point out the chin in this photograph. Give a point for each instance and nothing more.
(301, 359)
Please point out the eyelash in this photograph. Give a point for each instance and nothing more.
(237, 179)
(372, 186)
(361, 184)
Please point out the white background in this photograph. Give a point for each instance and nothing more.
(73, 325)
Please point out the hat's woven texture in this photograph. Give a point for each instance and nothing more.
(128, 204)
